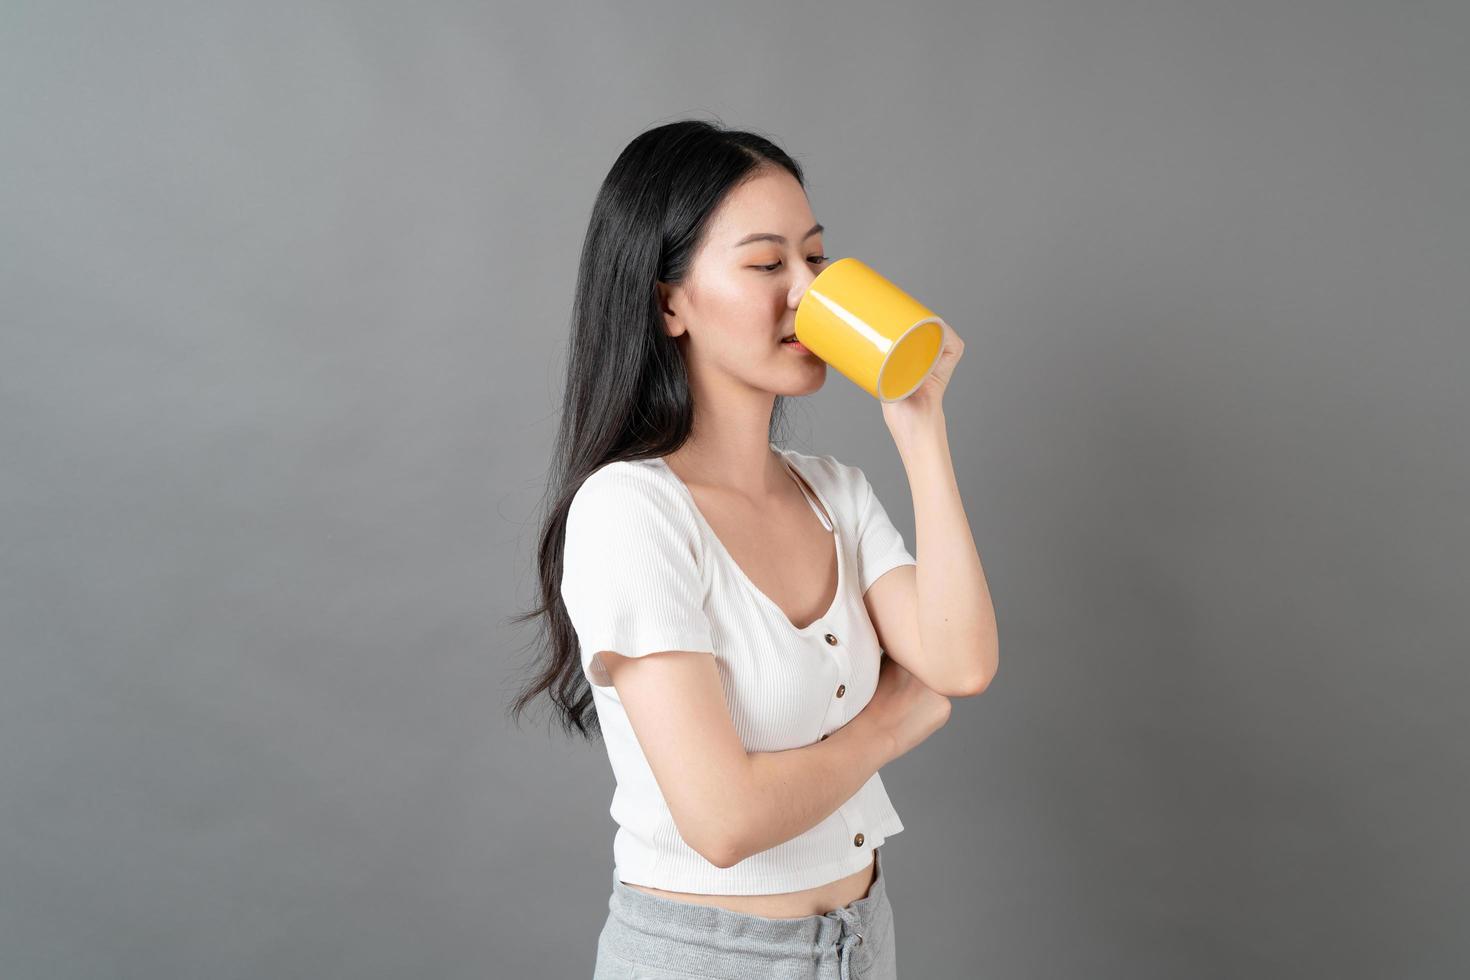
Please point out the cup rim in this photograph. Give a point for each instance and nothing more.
(923, 374)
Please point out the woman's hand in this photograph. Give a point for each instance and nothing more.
(904, 708)
(926, 402)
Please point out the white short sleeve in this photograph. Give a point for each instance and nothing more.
(880, 545)
(631, 568)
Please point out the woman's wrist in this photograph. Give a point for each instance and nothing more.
(870, 726)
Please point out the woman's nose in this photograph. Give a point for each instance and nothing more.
(799, 288)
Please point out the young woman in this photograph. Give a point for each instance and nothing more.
(718, 607)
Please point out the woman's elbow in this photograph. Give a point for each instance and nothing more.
(722, 852)
(713, 839)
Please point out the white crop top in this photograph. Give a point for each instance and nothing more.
(644, 572)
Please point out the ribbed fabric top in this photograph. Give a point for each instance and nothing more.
(644, 572)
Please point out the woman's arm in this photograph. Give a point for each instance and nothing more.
(936, 617)
(938, 620)
(729, 803)
(791, 791)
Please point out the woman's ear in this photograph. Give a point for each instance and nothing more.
(667, 295)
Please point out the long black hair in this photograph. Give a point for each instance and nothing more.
(627, 391)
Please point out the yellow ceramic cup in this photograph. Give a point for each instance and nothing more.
(876, 334)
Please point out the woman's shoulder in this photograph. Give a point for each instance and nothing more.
(634, 489)
(637, 471)
(837, 473)
(839, 481)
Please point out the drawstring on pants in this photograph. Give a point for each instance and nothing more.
(849, 938)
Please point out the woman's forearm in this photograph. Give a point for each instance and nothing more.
(791, 791)
(956, 618)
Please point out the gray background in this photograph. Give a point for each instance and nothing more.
(285, 294)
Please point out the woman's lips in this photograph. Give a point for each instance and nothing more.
(795, 345)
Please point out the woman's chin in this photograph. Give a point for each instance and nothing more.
(816, 377)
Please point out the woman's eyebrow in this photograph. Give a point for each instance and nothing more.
(769, 236)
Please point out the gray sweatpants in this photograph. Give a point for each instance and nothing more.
(648, 937)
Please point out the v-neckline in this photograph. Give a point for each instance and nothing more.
(730, 559)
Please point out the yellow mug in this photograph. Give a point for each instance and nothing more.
(876, 334)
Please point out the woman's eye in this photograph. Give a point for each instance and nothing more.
(814, 259)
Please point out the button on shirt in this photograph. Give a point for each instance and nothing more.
(644, 572)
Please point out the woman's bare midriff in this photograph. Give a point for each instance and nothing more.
(786, 905)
